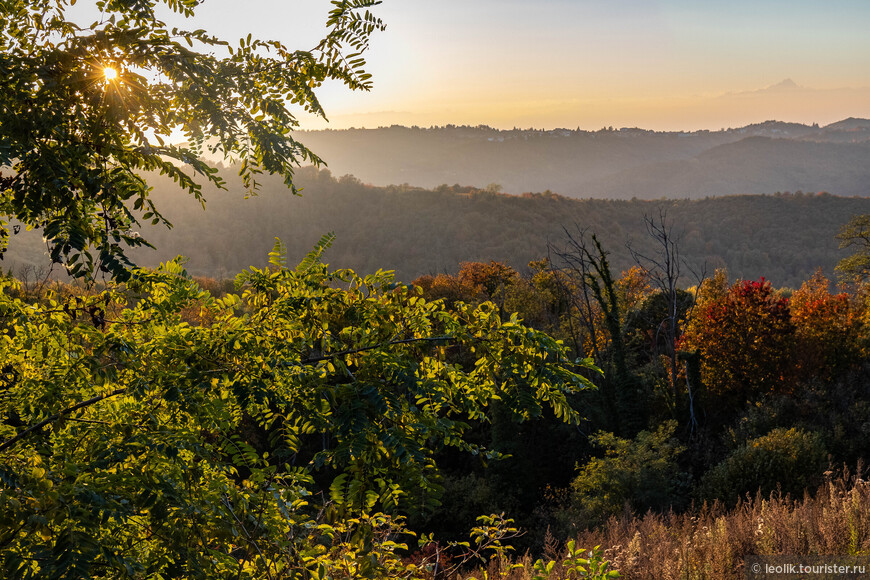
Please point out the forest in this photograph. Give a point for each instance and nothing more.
(613, 389)
(622, 409)
(414, 231)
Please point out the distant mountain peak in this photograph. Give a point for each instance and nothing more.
(785, 85)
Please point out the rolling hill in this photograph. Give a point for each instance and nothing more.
(623, 164)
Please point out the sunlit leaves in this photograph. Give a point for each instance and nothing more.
(75, 141)
(745, 339)
(188, 450)
(827, 329)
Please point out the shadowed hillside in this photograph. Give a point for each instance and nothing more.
(784, 237)
(622, 164)
(414, 231)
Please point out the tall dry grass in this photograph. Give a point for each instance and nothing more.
(711, 542)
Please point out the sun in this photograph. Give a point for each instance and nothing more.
(109, 73)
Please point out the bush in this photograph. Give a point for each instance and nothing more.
(787, 460)
(642, 473)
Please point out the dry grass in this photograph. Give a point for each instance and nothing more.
(710, 543)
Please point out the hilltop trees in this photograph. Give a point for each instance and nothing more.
(86, 111)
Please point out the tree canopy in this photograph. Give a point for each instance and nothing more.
(87, 111)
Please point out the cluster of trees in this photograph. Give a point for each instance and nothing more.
(709, 392)
(152, 430)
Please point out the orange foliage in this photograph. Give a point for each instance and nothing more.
(745, 339)
(475, 282)
(486, 281)
(827, 329)
(633, 287)
(443, 286)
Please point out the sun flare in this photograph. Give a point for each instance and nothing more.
(110, 74)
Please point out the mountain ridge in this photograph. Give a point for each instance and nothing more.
(580, 163)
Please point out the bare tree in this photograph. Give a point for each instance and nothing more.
(572, 265)
(664, 268)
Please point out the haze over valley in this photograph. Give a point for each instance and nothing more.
(609, 163)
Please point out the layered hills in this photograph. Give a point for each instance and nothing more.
(700, 180)
(609, 163)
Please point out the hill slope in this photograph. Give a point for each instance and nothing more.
(414, 231)
(761, 158)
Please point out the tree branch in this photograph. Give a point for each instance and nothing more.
(10, 442)
(317, 359)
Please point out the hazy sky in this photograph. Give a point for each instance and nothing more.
(658, 64)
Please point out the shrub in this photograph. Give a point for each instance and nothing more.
(787, 460)
(642, 473)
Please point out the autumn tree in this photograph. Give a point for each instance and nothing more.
(745, 340)
(827, 329)
(487, 281)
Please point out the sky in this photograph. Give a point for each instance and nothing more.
(655, 64)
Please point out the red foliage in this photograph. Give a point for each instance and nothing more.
(746, 341)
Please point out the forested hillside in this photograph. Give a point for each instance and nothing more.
(619, 164)
(785, 237)
(415, 232)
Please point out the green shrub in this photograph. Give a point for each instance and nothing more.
(787, 460)
(642, 472)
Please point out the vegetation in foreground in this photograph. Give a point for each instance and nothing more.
(711, 541)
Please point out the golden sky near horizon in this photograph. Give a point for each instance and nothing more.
(656, 64)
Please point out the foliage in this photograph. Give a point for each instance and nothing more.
(634, 287)
(856, 233)
(75, 139)
(642, 473)
(646, 321)
(712, 289)
(264, 444)
(787, 460)
(745, 340)
(578, 563)
(827, 330)
(487, 281)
